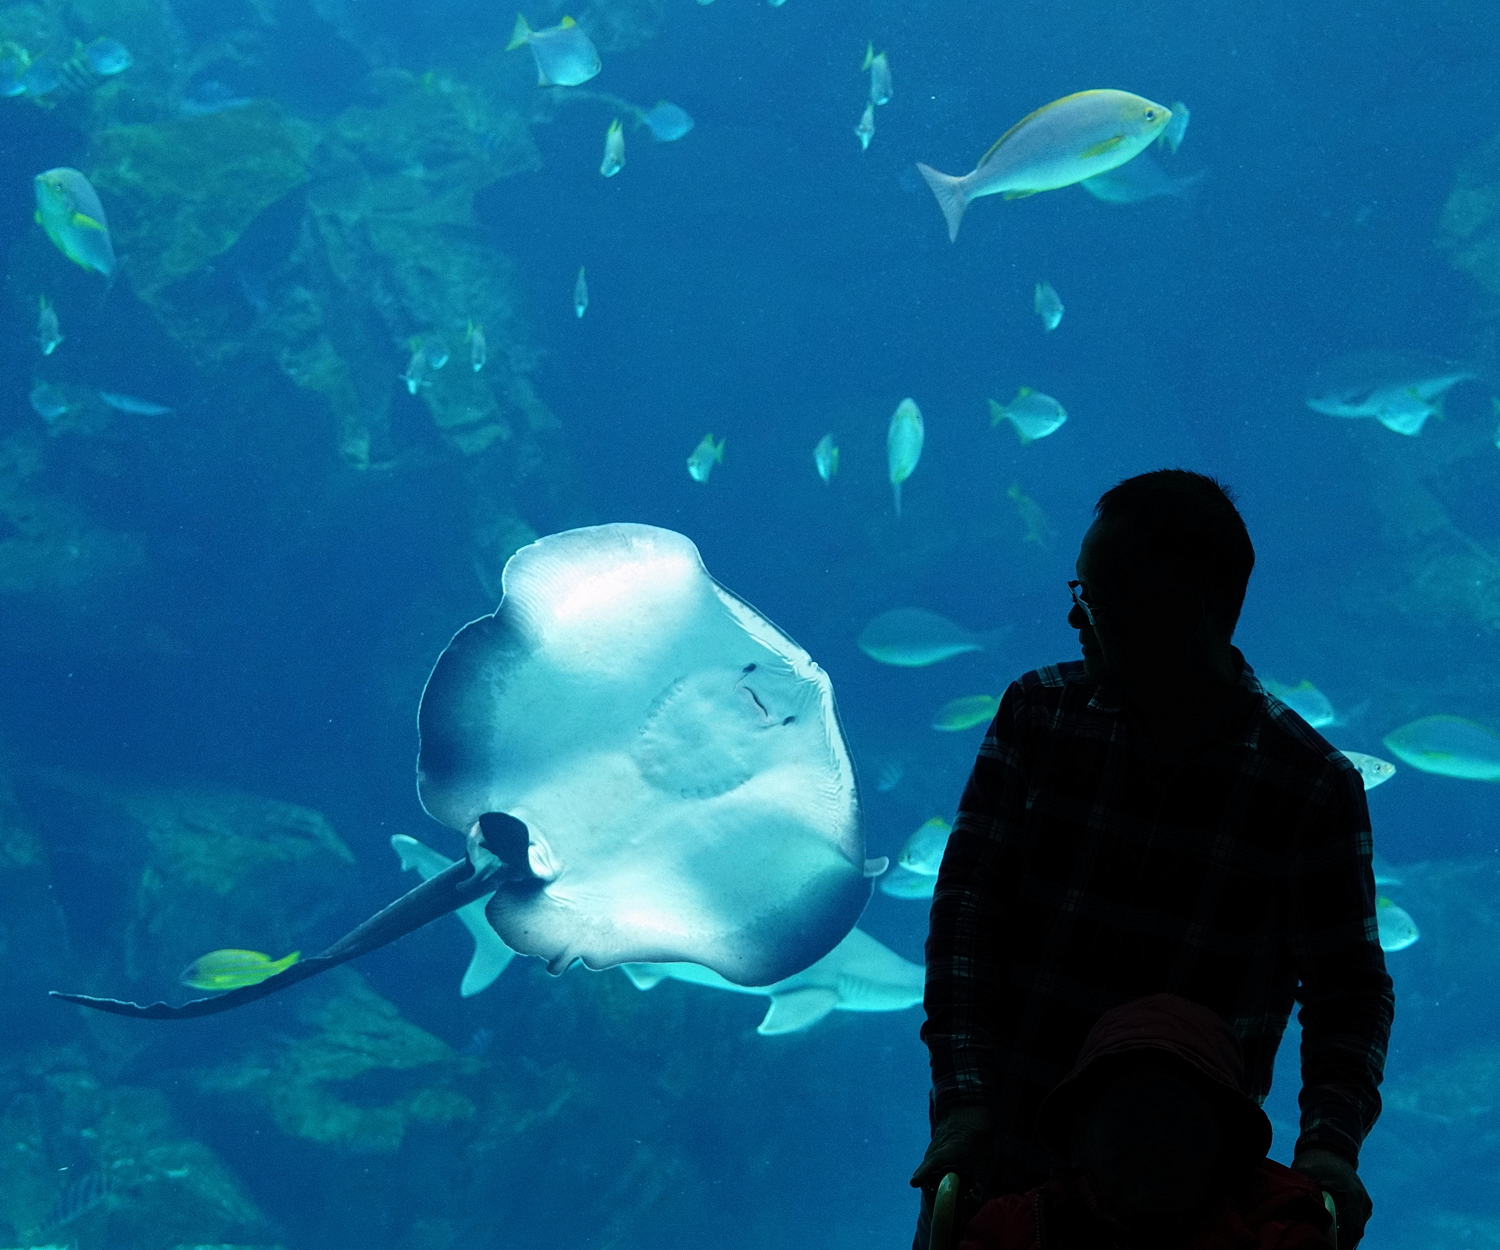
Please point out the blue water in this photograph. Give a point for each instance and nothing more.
(765, 280)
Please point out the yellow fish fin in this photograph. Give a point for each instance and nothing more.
(997, 413)
(37, 217)
(84, 220)
(520, 34)
(1018, 195)
(567, 21)
(285, 962)
(1023, 392)
(869, 55)
(1100, 148)
(1030, 117)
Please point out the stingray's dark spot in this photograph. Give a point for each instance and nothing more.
(749, 668)
(788, 720)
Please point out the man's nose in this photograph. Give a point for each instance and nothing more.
(1076, 618)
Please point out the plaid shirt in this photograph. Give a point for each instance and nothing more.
(1080, 875)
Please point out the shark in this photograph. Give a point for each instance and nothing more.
(859, 974)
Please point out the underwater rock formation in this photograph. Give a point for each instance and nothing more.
(358, 1041)
(1469, 229)
(99, 1164)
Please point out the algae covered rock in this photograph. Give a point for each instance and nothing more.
(181, 192)
(1469, 229)
(91, 1163)
(357, 1079)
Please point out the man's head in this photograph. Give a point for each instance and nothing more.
(1163, 570)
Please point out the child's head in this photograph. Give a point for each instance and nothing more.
(1154, 1112)
(1148, 1135)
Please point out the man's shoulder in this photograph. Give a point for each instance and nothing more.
(1066, 676)
(1284, 734)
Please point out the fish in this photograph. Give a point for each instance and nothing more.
(965, 713)
(922, 852)
(137, 407)
(1448, 746)
(899, 883)
(415, 376)
(436, 351)
(80, 1196)
(705, 455)
(614, 150)
(564, 55)
(231, 969)
(1137, 180)
(826, 458)
(1172, 133)
(47, 401)
(688, 797)
(1384, 872)
(903, 445)
(1048, 306)
(68, 209)
(890, 775)
(13, 65)
(666, 122)
(859, 974)
(86, 69)
(1076, 137)
(479, 352)
(915, 638)
(1373, 770)
(1396, 927)
(688, 793)
(1033, 414)
(1400, 392)
(1038, 528)
(491, 956)
(1310, 703)
(48, 333)
(880, 75)
(865, 130)
(580, 294)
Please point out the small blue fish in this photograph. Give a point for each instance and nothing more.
(48, 335)
(47, 402)
(479, 351)
(666, 122)
(564, 55)
(129, 403)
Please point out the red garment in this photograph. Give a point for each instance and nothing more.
(1282, 1210)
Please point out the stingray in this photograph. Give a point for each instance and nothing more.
(644, 769)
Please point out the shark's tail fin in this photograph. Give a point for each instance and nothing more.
(951, 197)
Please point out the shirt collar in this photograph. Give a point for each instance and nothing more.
(1245, 727)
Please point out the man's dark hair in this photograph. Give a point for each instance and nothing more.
(1188, 522)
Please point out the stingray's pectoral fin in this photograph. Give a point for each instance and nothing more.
(447, 892)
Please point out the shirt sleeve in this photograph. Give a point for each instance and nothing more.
(1346, 995)
(964, 942)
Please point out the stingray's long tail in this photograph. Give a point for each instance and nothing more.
(447, 892)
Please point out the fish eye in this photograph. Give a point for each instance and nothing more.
(1150, 115)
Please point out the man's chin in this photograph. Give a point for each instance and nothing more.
(1093, 665)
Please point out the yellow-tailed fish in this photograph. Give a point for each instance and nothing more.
(1397, 929)
(564, 55)
(1048, 306)
(826, 457)
(1033, 414)
(48, 334)
(1061, 143)
(479, 351)
(903, 445)
(415, 376)
(923, 851)
(1448, 746)
(1310, 703)
(1038, 530)
(965, 713)
(233, 969)
(865, 131)
(1172, 132)
(705, 455)
(614, 150)
(68, 209)
(880, 75)
(580, 294)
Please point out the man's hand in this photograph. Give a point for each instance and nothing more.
(958, 1143)
(1331, 1171)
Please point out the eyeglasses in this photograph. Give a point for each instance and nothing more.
(1083, 605)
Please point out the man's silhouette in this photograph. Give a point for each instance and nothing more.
(1149, 821)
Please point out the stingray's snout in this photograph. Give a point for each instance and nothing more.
(500, 842)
